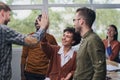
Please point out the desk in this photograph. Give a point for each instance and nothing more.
(112, 74)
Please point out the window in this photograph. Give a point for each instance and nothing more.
(68, 1)
(60, 18)
(22, 2)
(106, 17)
(106, 1)
(61, 13)
(23, 20)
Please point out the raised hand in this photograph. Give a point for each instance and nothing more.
(44, 22)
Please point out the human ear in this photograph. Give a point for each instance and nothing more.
(81, 21)
(2, 13)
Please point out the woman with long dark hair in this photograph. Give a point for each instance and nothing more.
(111, 43)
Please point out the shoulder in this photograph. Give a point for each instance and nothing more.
(49, 35)
(115, 42)
(4, 27)
(55, 47)
(94, 37)
(50, 38)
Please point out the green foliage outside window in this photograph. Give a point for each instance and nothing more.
(61, 17)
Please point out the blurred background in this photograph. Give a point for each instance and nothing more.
(61, 14)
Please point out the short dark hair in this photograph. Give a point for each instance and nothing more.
(4, 7)
(88, 14)
(76, 35)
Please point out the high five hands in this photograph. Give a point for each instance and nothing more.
(44, 22)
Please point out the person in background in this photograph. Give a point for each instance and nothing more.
(112, 44)
(9, 37)
(62, 59)
(34, 62)
(91, 61)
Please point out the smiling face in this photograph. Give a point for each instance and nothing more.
(67, 39)
(111, 31)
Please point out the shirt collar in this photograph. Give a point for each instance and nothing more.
(69, 53)
(87, 33)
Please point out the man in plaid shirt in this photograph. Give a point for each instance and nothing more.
(9, 37)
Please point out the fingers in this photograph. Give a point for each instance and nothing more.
(44, 23)
(44, 15)
(38, 21)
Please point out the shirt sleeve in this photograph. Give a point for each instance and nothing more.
(14, 37)
(115, 51)
(11, 36)
(96, 52)
(47, 48)
(53, 41)
(50, 38)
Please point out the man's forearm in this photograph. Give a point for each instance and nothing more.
(35, 38)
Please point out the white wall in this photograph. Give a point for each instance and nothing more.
(16, 60)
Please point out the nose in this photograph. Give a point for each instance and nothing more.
(74, 22)
(108, 32)
(74, 25)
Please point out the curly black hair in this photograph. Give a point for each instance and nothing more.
(76, 35)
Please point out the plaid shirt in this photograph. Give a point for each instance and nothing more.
(7, 38)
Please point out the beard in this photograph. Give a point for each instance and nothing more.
(78, 29)
(6, 22)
